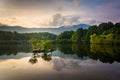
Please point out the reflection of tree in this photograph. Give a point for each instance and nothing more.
(46, 56)
(65, 48)
(9, 49)
(81, 49)
(105, 53)
(33, 59)
(45, 49)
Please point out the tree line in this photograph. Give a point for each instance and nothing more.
(104, 33)
(5, 35)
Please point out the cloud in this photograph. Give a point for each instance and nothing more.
(57, 20)
(26, 2)
(76, 3)
(60, 20)
(58, 12)
(100, 10)
(29, 4)
(59, 8)
(103, 11)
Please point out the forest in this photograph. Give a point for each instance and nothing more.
(12, 36)
(104, 33)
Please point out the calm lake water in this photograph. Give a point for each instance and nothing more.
(66, 62)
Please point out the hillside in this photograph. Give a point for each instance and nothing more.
(20, 29)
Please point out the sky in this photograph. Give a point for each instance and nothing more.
(56, 13)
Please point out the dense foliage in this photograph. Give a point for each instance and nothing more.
(78, 36)
(105, 33)
(65, 37)
(4, 35)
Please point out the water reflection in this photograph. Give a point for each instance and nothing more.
(65, 62)
(6, 49)
(103, 53)
(33, 59)
(66, 49)
(81, 50)
(47, 56)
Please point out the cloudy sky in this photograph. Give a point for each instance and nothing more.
(55, 13)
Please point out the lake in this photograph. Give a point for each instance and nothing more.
(65, 62)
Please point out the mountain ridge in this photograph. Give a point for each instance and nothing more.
(20, 29)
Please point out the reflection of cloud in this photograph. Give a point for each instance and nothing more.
(70, 64)
(20, 69)
(60, 63)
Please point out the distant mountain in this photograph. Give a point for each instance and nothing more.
(50, 30)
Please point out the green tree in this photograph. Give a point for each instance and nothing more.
(46, 44)
(91, 30)
(78, 35)
(33, 42)
(65, 37)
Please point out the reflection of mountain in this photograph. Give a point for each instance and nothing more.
(50, 30)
